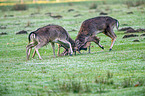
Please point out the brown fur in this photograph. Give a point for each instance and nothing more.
(91, 27)
(49, 33)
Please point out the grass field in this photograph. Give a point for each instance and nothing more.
(120, 72)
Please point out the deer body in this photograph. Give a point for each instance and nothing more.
(91, 27)
(44, 35)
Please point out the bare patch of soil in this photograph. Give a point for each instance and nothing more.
(136, 40)
(142, 35)
(70, 10)
(2, 27)
(21, 32)
(72, 30)
(77, 15)
(129, 12)
(140, 30)
(125, 29)
(103, 13)
(131, 30)
(56, 16)
(3, 33)
(130, 35)
(53, 16)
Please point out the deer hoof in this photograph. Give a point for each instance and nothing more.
(75, 52)
(102, 47)
(110, 49)
(79, 52)
(70, 54)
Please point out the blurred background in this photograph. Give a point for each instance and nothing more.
(12, 2)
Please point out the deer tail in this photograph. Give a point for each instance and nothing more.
(117, 24)
(31, 35)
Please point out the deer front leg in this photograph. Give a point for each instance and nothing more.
(96, 40)
(90, 39)
(58, 52)
(69, 45)
(29, 51)
(53, 47)
(89, 49)
(27, 55)
(70, 49)
(38, 46)
(65, 52)
(34, 53)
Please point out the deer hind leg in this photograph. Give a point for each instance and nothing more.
(112, 43)
(28, 48)
(34, 54)
(113, 39)
(110, 33)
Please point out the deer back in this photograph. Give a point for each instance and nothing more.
(49, 33)
(93, 26)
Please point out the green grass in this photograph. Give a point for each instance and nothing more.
(116, 73)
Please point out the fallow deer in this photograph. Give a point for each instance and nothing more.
(91, 27)
(44, 35)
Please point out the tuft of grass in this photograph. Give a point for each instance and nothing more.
(43, 70)
(101, 88)
(93, 6)
(28, 24)
(109, 75)
(127, 82)
(143, 91)
(54, 79)
(3, 90)
(87, 87)
(139, 82)
(143, 56)
(71, 86)
(134, 4)
(105, 80)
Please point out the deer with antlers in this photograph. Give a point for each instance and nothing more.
(91, 27)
